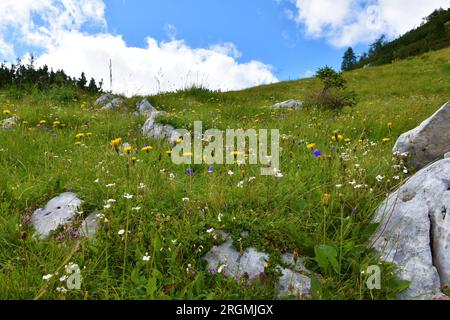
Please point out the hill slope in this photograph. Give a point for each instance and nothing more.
(319, 201)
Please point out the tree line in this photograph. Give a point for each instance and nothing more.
(27, 75)
(433, 34)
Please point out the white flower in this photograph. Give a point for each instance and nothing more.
(230, 172)
(128, 196)
(141, 186)
(171, 176)
(111, 201)
(185, 199)
(396, 178)
(352, 182)
(405, 171)
(210, 230)
(240, 184)
(107, 206)
(47, 277)
(339, 186)
(251, 179)
(359, 186)
(379, 178)
(121, 232)
(162, 171)
(278, 174)
(63, 278)
(146, 257)
(97, 180)
(174, 241)
(220, 269)
(110, 185)
(136, 209)
(219, 217)
(61, 289)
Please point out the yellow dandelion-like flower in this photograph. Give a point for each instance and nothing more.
(128, 149)
(311, 146)
(386, 139)
(337, 137)
(79, 135)
(147, 148)
(6, 112)
(56, 124)
(116, 142)
(42, 122)
(326, 197)
(390, 125)
(78, 143)
(347, 140)
(179, 141)
(89, 134)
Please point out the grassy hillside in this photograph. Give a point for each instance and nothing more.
(318, 201)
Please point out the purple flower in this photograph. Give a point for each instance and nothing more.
(211, 169)
(189, 172)
(212, 271)
(317, 153)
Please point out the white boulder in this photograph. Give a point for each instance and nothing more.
(293, 104)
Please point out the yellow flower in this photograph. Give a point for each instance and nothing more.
(179, 141)
(79, 135)
(147, 149)
(128, 149)
(348, 140)
(24, 122)
(386, 139)
(6, 112)
(169, 152)
(133, 159)
(311, 146)
(56, 124)
(77, 143)
(326, 197)
(116, 142)
(337, 137)
(389, 125)
(89, 134)
(42, 122)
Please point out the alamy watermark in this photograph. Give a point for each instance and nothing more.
(231, 146)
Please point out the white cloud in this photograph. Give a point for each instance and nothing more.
(348, 22)
(55, 27)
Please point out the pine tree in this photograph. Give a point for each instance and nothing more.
(82, 81)
(349, 60)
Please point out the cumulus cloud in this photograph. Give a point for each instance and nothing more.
(55, 28)
(349, 22)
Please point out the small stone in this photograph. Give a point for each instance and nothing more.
(293, 104)
(104, 99)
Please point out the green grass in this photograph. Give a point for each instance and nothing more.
(297, 213)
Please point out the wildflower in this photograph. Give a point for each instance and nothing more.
(240, 184)
(47, 277)
(347, 140)
(189, 172)
(116, 143)
(128, 196)
(211, 169)
(63, 278)
(219, 217)
(141, 186)
(146, 257)
(178, 141)
(311, 146)
(42, 122)
(386, 140)
(110, 185)
(6, 113)
(121, 232)
(396, 178)
(220, 269)
(317, 153)
(379, 178)
(78, 143)
(230, 173)
(339, 186)
(136, 209)
(89, 134)
(185, 199)
(171, 176)
(169, 152)
(251, 179)
(147, 149)
(56, 124)
(389, 125)
(210, 230)
(79, 135)
(326, 197)
(128, 149)
(278, 174)
(61, 289)
(337, 137)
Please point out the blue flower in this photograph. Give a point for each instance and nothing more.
(189, 171)
(211, 169)
(317, 153)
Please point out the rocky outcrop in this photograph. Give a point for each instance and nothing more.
(145, 108)
(155, 130)
(292, 104)
(114, 105)
(414, 231)
(103, 100)
(294, 280)
(61, 211)
(428, 142)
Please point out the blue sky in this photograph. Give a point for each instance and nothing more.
(164, 45)
(260, 30)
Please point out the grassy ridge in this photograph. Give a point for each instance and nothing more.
(318, 201)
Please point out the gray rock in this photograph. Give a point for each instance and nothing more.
(155, 130)
(414, 231)
(8, 123)
(429, 141)
(145, 108)
(58, 211)
(104, 99)
(447, 155)
(294, 104)
(251, 263)
(114, 104)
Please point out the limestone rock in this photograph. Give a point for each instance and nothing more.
(58, 211)
(89, 226)
(155, 130)
(103, 100)
(114, 105)
(429, 141)
(293, 104)
(145, 108)
(414, 231)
